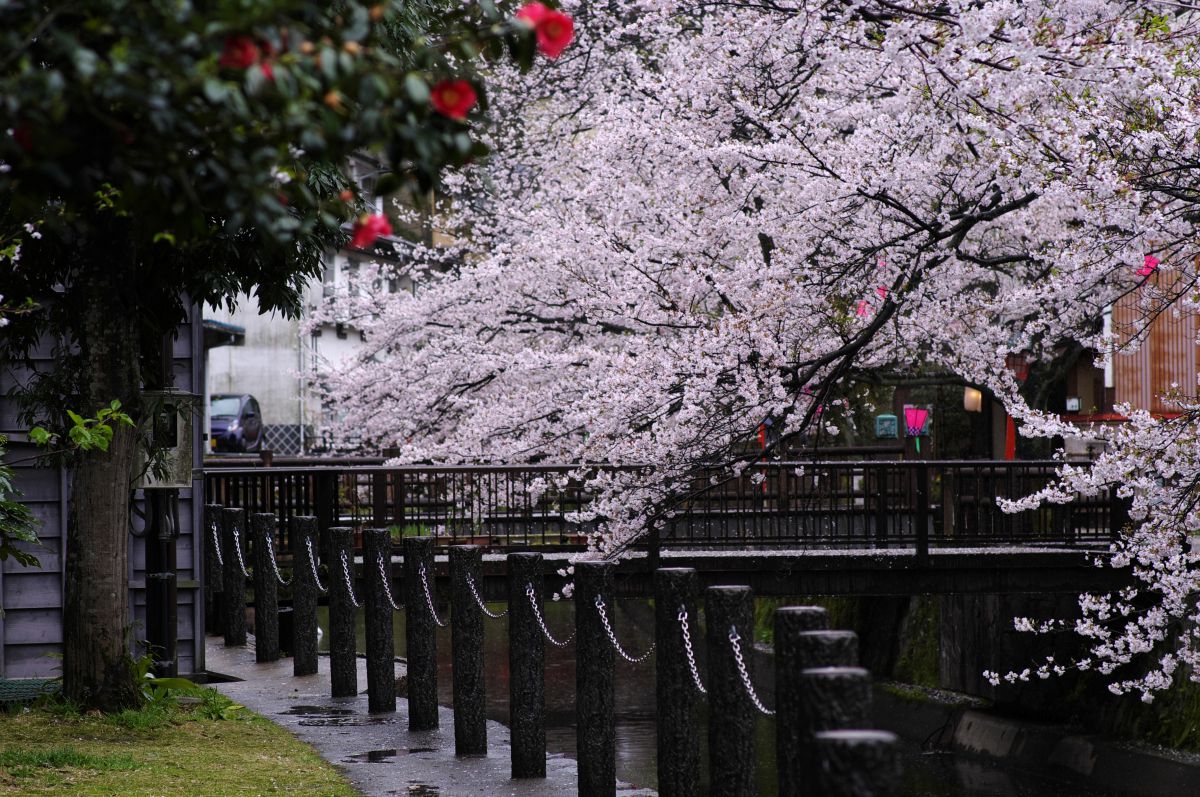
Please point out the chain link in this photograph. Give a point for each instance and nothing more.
(479, 600)
(741, 665)
(387, 587)
(274, 564)
(687, 648)
(312, 560)
(237, 546)
(537, 613)
(217, 545)
(613, 637)
(429, 599)
(349, 582)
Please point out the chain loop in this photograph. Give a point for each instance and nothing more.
(537, 613)
(429, 599)
(237, 546)
(217, 545)
(387, 588)
(613, 637)
(349, 582)
(312, 560)
(687, 648)
(275, 564)
(741, 665)
(479, 600)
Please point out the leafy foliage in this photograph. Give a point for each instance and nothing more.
(17, 524)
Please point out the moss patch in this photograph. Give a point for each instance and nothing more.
(159, 750)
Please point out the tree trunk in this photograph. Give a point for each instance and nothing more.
(96, 660)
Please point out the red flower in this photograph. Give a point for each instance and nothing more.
(453, 98)
(240, 52)
(23, 137)
(368, 228)
(268, 73)
(554, 29)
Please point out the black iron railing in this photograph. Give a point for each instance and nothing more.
(801, 505)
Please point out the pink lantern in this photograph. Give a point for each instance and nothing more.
(914, 419)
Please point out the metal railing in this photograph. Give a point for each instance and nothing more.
(847, 504)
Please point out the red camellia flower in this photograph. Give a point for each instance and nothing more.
(453, 98)
(368, 228)
(240, 52)
(554, 29)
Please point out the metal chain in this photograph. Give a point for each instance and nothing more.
(312, 560)
(429, 599)
(274, 564)
(687, 648)
(479, 600)
(237, 546)
(741, 665)
(217, 545)
(537, 613)
(613, 637)
(387, 588)
(349, 582)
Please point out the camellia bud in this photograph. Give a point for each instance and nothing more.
(377, 12)
(334, 100)
(354, 48)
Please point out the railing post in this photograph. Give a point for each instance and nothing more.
(326, 497)
(731, 728)
(678, 743)
(420, 634)
(831, 698)
(381, 654)
(791, 656)
(304, 595)
(922, 518)
(1118, 513)
(526, 668)
(214, 578)
(595, 659)
(466, 647)
(855, 763)
(232, 531)
(881, 507)
(379, 498)
(266, 590)
(343, 657)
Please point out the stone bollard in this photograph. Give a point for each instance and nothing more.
(304, 595)
(233, 526)
(420, 634)
(831, 698)
(466, 647)
(343, 611)
(381, 655)
(214, 577)
(731, 727)
(854, 763)
(266, 589)
(526, 668)
(595, 659)
(677, 692)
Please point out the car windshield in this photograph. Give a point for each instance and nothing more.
(225, 406)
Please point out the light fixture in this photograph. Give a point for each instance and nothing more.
(972, 399)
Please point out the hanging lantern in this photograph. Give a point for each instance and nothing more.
(972, 399)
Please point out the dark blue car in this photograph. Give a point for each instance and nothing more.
(235, 423)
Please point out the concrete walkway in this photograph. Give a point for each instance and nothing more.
(376, 751)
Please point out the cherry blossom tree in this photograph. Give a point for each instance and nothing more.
(708, 215)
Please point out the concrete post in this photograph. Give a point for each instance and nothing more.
(304, 595)
(526, 668)
(466, 645)
(595, 659)
(420, 634)
(678, 742)
(831, 698)
(381, 654)
(266, 589)
(233, 526)
(343, 664)
(855, 763)
(731, 732)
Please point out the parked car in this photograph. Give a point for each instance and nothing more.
(235, 423)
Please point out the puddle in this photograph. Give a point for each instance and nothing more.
(345, 722)
(422, 750)
(371, 757)
(317, 711)
(417, 790)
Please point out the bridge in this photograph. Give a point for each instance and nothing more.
(785, 528)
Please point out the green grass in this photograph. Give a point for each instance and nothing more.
(211, 748)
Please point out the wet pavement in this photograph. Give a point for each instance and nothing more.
(376, 751)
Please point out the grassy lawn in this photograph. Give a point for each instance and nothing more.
(194, 750)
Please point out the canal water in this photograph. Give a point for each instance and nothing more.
(927, 773)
